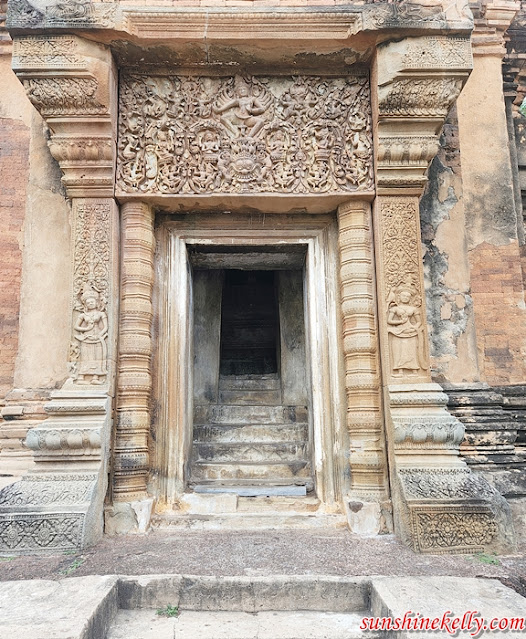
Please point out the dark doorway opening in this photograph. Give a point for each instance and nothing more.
(249, 323)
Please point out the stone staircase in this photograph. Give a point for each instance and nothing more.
(249, 441)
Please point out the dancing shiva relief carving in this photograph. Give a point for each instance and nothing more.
(237, 135)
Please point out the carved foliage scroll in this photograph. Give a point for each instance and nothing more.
(64, 96)
(53, 51)
(88, 354)
(240, 135)
(429, 97)
(465, 529)
(35, 532)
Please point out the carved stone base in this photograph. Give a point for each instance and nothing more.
(443, 507)
(58, 506)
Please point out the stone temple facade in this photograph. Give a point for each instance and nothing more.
(263, 265)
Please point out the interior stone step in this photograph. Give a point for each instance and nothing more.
(255, 452)
(228, 470)
(231, 414)
(250, 397)
(253, 491)
(249, 382)
(224, 433)
(273, 481)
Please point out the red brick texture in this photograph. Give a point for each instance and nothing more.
(500, 316)
(14, 171)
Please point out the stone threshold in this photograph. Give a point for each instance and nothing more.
(242, 607)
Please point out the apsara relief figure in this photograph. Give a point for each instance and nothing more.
(405, 331)
(91, 331)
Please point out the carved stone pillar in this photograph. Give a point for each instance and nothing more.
(58, 505)
(439, 504)
(362, 379)
(134, 375)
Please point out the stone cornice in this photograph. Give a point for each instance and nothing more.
(286, 23)
(418, 81)
(491, 22)
(70, 82)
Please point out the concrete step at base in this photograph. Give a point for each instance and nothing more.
(225, 470)
(225, 433)
(231, 414)
(250, 452)
(250, 397)
(146, 624)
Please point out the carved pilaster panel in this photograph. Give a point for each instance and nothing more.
(93, 275)
(439, 505)
(360, 346)
(236, 135)
(401, 299)
(131, 464)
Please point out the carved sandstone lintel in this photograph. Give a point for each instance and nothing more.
(76, 14)
(418, 81)
(70, 82)
(191, 135)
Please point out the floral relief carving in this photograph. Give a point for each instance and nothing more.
(444, 529)
(46, 531)
(411, 431)
(429, 97)
(452, 483)
(88, 351)
(85, 149)
(237, 135)
(52, 51)
(48, 491)
(66, 439)
(438, 52)
(64, 96)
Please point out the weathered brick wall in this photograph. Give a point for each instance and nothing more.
(14, 172)
(498, 297)
(14, 157)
